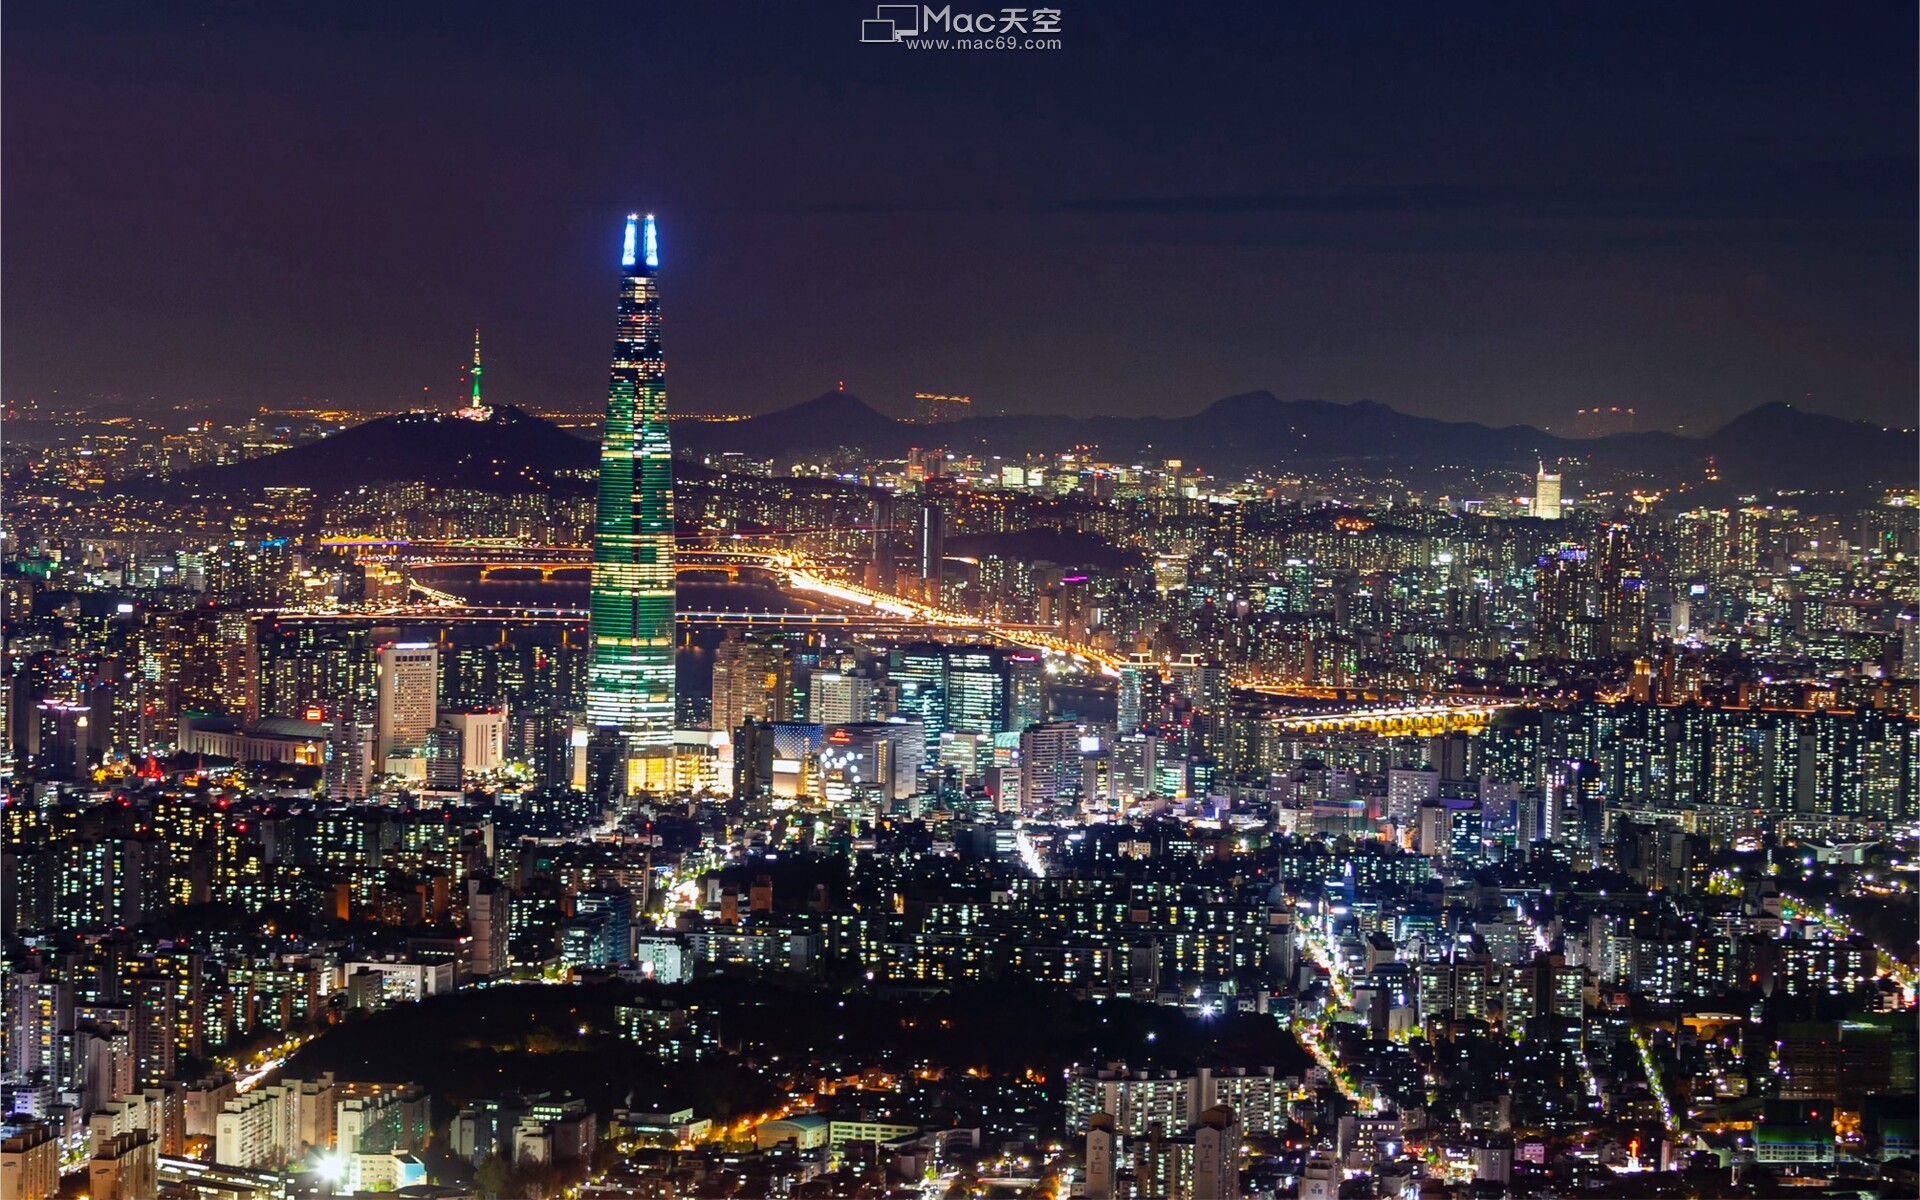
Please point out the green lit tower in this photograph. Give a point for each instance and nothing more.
(478, 410)
(630, 672)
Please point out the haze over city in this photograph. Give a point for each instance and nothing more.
(1499, 216)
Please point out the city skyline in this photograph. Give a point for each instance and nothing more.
(988, 735)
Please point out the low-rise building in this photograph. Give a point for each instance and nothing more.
(807, 1131)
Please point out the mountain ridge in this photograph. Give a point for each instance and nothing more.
(1773, 447)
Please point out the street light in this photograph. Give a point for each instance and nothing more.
(332, 1168)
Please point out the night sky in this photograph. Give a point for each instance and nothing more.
(1496, 212)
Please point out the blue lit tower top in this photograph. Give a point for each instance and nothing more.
(641, 245)
(630, 667)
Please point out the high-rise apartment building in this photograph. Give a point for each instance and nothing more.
(488, 923)
(751, 678)
(1050, 767)
(935, 408)
(883, 571)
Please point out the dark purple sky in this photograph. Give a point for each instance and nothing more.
(1491, 211)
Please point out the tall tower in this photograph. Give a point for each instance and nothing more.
(477, 409)
(933, 551)
(884, 563)
(630, 677)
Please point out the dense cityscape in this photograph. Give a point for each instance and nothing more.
(1559, 840)
(893, 797)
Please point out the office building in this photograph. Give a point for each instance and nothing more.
(630, 670)
(407, 692)
(977, 686)
(1546, 494)
(836, 698)
(1026, 690)
(483, 737)
(877, 758)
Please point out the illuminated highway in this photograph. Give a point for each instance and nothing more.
(263, 1063)
(794, 570)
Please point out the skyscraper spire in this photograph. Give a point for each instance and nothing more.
(640, 246)
(476, 410)
(630, 663)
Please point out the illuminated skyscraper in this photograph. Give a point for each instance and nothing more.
(1546, 494)
(976, 690)
(407, 696)
(630, 681)
(933, 553)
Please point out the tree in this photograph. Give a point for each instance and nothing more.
(494, 1176)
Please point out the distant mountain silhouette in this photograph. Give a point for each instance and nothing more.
(819, 422)
(514, 451)
(1772, 447)
(1065, 547)
(1778, 441)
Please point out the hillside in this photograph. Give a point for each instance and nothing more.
(513, 451)
(1772, 447)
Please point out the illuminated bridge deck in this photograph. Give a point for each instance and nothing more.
(1408, 720)
(455, 613)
